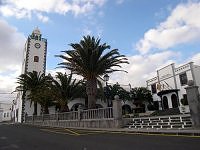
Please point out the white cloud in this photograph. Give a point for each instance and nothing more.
(54, 72)
(42, 18)
(182, 26)
(142, 67)
(11, 49)
(25, 8)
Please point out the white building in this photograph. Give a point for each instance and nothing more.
(5, 112)
(34, 59)
(168, 87)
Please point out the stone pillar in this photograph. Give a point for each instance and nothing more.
(80, 112)
(117, 111)
(194, 103)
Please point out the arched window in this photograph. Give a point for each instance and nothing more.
(36, 59)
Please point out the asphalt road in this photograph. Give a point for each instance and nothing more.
(21, 137)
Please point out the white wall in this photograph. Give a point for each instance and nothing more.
(182, 87)
(197, 75)
(82, 101)
(17, 114)
(166, 72)
(5, 111)
(29, 108)
(5, 115)
(5, 106)
(1, 115)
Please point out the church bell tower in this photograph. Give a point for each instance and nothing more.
(34, 58)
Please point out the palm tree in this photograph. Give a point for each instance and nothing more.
(141, 95)
(30, 83)
(90, 60)
(65, 89)
(116, 89)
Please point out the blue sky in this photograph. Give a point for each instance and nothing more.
(151, 33)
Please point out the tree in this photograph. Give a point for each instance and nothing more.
(89, 59)
(30, 84)
(65, 89)
(141, 94)
(44, 97)
(116, 89)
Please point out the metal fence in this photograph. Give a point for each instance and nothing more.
(101, 113)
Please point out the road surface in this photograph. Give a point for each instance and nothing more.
(22, 137)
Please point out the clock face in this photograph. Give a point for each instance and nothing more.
(37, 45)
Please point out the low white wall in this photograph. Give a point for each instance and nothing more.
(96, 123)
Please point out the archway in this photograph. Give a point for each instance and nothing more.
(165, 102)
(174, 101)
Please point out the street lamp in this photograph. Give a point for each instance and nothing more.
(106, 78)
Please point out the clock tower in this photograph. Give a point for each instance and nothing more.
(34, 59)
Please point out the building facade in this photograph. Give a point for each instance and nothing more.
(5, 112)
(168, 87)
(34, 59)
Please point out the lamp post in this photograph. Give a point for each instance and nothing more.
(106, 78)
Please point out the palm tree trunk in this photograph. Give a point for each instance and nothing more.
(35, 108)
(46, 109)
(91, 89)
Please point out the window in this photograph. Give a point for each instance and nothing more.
(185, 96)
(184, 100)
(4, 115)
(183, 79)
(165, 102)
(36, 59)
(153, 88)
(7, 114)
